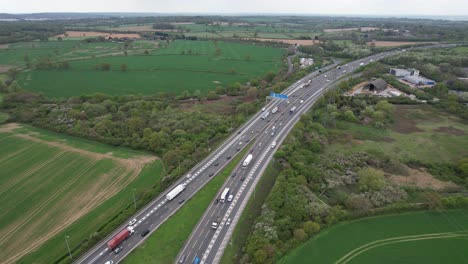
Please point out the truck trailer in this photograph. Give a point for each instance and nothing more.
(247, 160)
(178, 189)
(121, 236)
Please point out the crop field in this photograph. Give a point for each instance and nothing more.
(418, 132)
(50, 185)
(417, 237)
(183, 65)
(18, 54)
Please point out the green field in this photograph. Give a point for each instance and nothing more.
(169, 238)
(183, 65)
(418, 237)
(418, 133)
(52, 186)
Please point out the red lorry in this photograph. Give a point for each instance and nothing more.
(121, 236)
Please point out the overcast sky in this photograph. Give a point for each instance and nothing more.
(335, 7)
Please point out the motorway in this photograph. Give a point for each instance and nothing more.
(208, 244)
(160, 209)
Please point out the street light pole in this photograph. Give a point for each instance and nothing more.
(134, 200)
(68, 246)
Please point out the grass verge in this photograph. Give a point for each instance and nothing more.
(165, 243)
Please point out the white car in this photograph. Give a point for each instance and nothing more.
(228, 222)
(132, 222)
(302, 101)
(230, 197)
(263, 109)
(109, 262)
(325, 76)
(260, 144)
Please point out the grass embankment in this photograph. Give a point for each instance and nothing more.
(204, 65)
(253, 209)
(166, 242)
(417, 237)
(51, 187)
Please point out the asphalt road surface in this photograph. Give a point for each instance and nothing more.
(208, 243)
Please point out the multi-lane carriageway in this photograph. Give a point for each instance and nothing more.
(160, 209)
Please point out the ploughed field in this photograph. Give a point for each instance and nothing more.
(54, 186)
(175, 67)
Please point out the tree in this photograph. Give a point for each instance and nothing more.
(260, 256)
(299, 234)
(385, 107)
(311, 227)
(146, 52)
(358, 203)
(211, 95)
(123, 67)
(105, 66)
(371, 179)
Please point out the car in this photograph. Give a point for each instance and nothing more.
(328, 80)
(242, 178)
(211, 174)
(302, 101)
(238, 148)
(182, 259)
(216, 164)
(196, 260)
(228, 157)
(263, 109)
(240, 143)
(189, 175)
(230, 197)
(260, 144)
(238, 133)
(109, 262)
(247, 140)
(281, 124)
(132, 222)
(118, 249)
(145, 232)
(216, 201)
(181, 201)
(325, 76)
(272, 133)
(234, 174)
(215, 223)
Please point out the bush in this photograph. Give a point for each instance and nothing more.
(370, 179)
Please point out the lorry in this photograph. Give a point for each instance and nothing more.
(292, 109)
(178, 189)
(121, 236)
(224, 194)
(274, 110)
(265, 115)
(247, 160)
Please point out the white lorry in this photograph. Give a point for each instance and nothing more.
(247, 160)
(178, 189)
(224, 195)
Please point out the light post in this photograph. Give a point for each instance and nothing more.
(134, 200)
(68, 246)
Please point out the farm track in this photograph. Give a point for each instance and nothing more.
(378, 243)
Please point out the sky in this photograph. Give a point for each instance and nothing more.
(313, 7)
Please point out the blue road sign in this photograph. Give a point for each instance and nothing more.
(281, 96)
